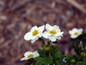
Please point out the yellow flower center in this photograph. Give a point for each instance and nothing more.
(76, 33)
(35, 32)
(53, 32)
(29, 56)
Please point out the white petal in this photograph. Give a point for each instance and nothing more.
(48, 27)
(23, 59)
(59, 37)
(56, 27)
(36, 54)
(52, 39)
(33, 37)
(70, 32)
(74, 29)
(40, 34)
(46, 34)
(80, 31)
(33, 40)
(72, 36)
(59, 34)
(33, 28)
(27, 36)
(27, 53)
(41, 28)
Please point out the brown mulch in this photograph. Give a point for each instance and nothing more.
(18, 16)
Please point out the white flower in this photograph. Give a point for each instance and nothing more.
(29, 54)
(64, 60)
(53, 32)
(34, 34)
(74, 33)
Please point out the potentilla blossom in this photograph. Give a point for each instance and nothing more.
(52, 33)
(29, 54)
(74, 33)
(34, 34)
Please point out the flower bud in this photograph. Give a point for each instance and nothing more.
(72, 60)
(83, 54)
(67, 56)
(46, 47)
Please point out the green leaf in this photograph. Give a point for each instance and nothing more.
(81, 63)
(54, 50)
(43, 60)
(48, 60)
(57, 55)
(84, 59)
(42, 53)
(39, 62)
(38, 58)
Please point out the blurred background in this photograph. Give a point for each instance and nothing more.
(18, 16)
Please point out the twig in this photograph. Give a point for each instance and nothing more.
(77, 5)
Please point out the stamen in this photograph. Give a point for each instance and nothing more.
(35, 32)
(76, 33)
(53, 32)
(29, 56)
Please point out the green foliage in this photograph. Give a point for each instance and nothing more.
(53, 50)
(50, 57)
(56, 56)
(43, 60)
(42, 53)
(82, 62)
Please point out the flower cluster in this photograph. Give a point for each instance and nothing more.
(53, 33)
